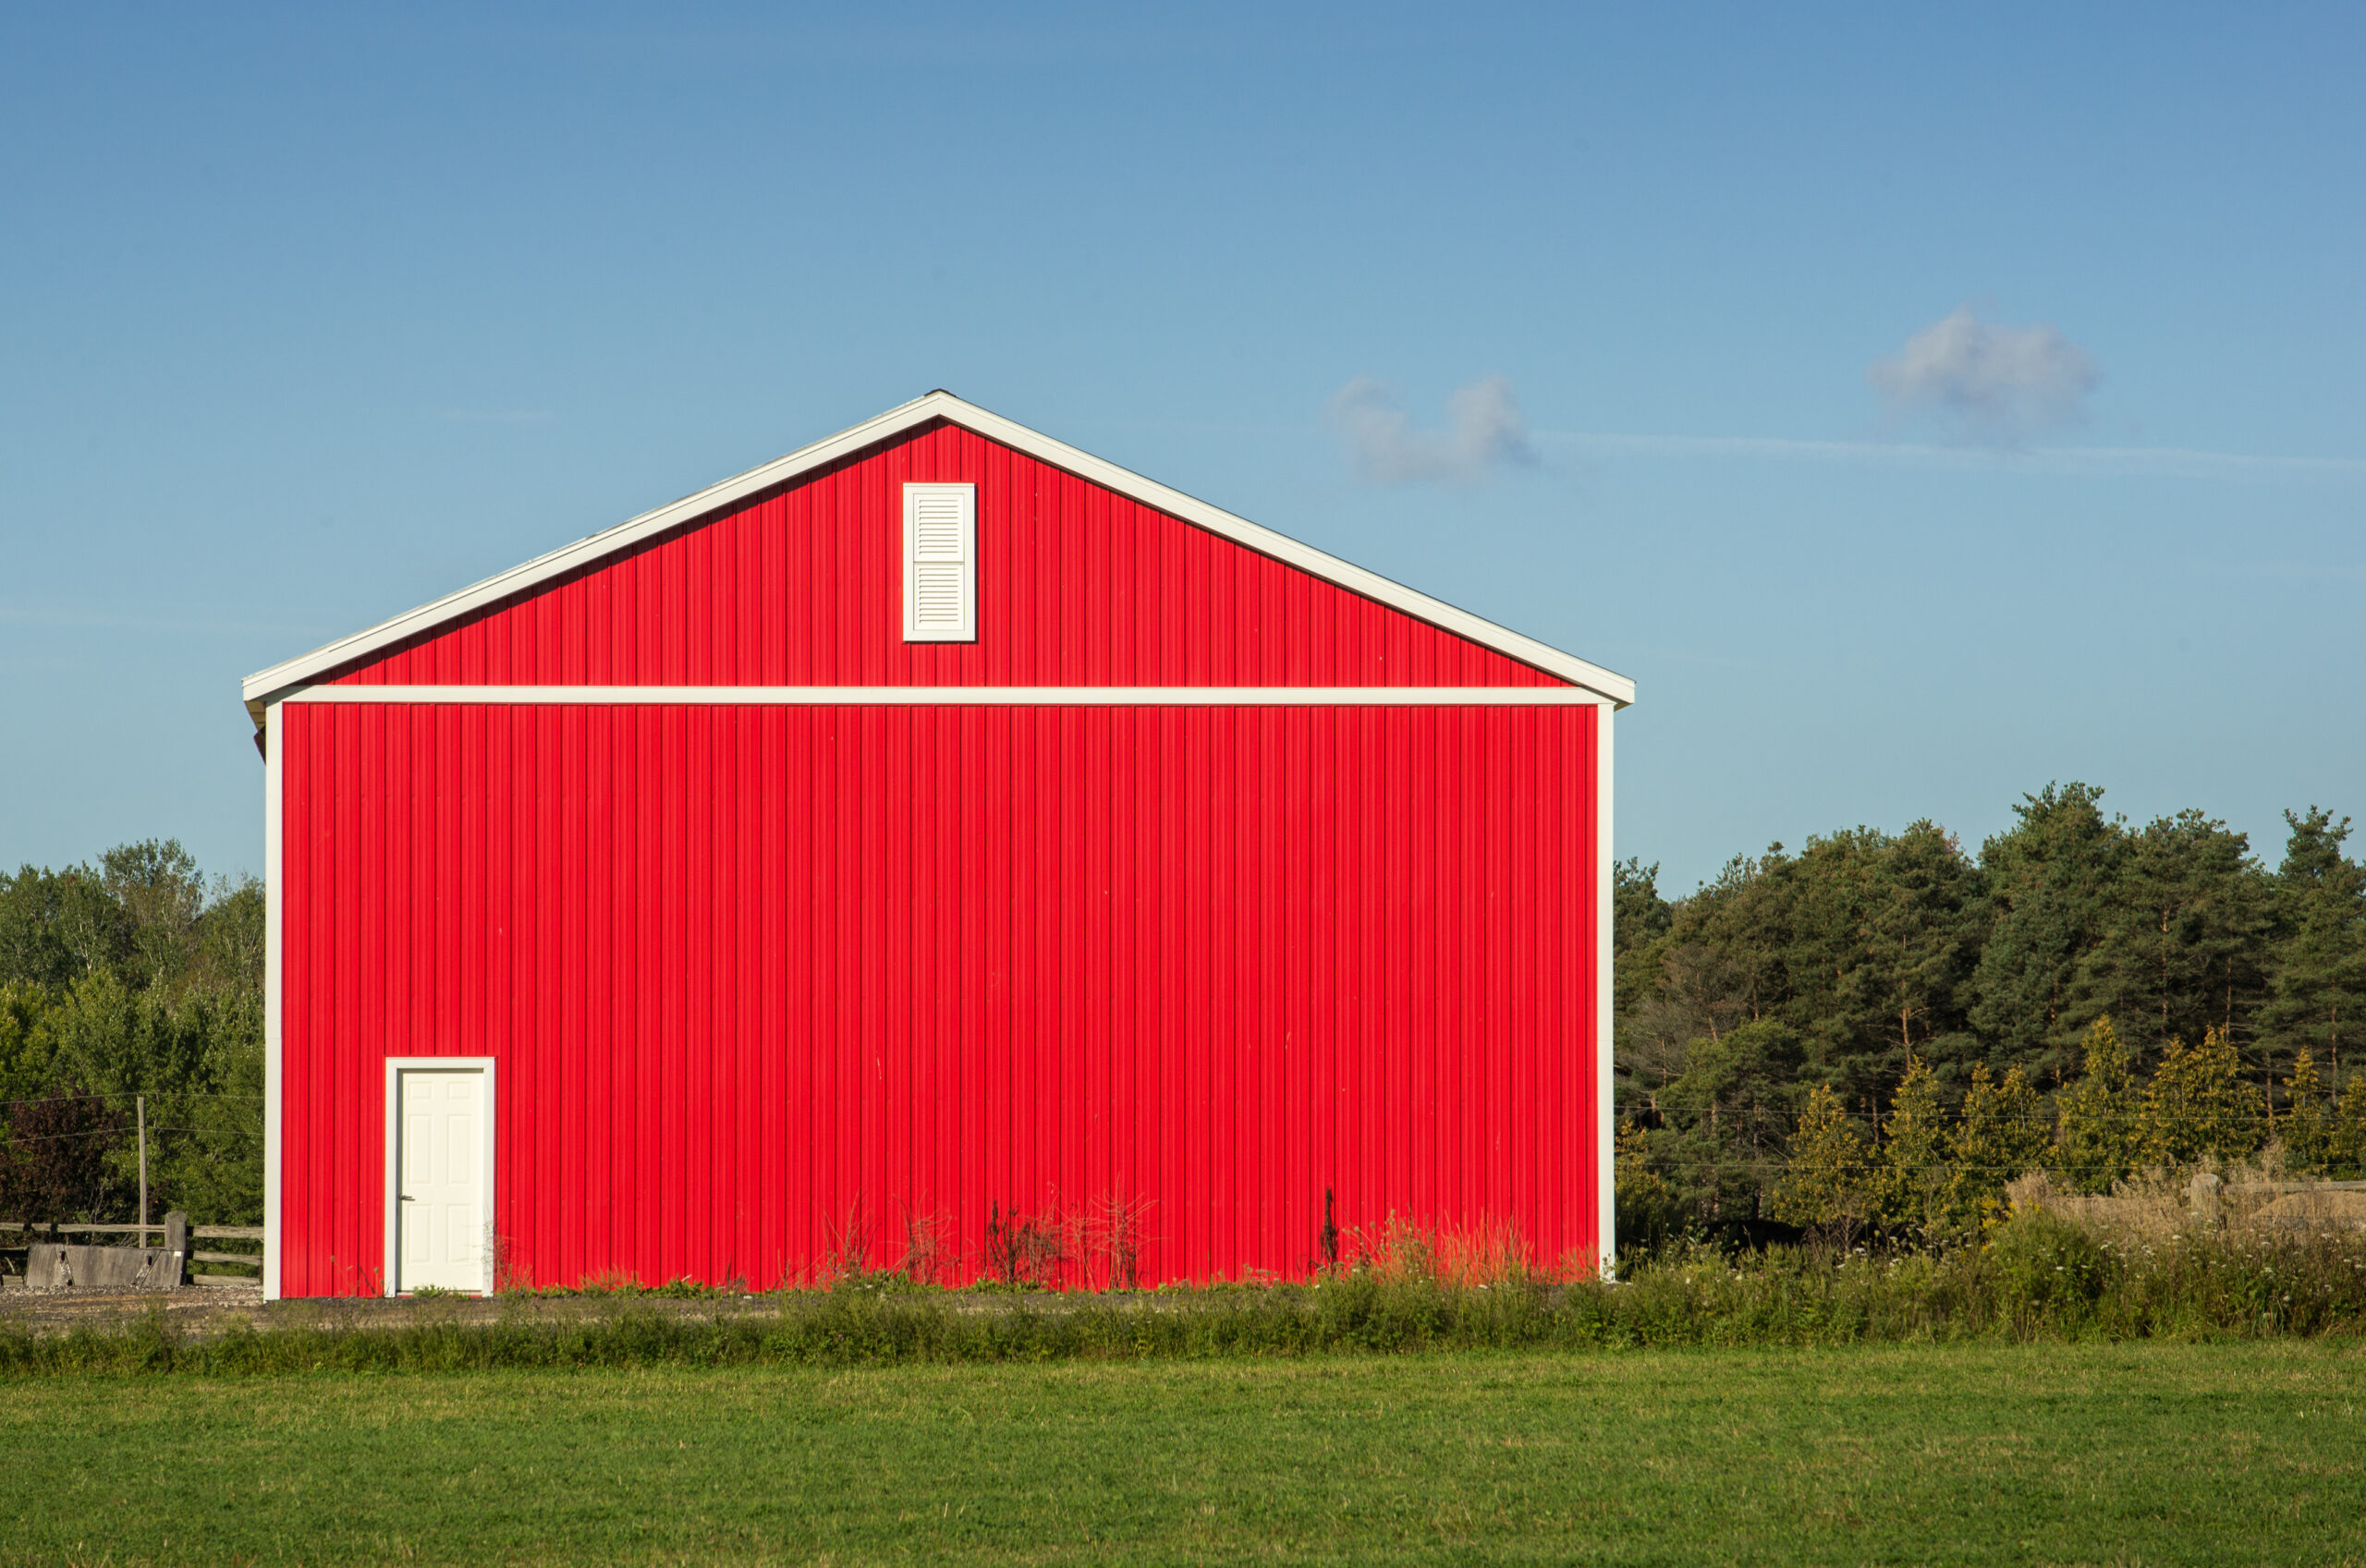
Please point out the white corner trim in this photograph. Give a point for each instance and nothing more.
(1606, 1003)
(396, 1067)
(966, 696)
(275, 979)
(261, 686)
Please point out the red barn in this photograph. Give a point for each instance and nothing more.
(934, 826)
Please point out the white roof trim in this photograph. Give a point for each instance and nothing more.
(958, 696)
(267, 685)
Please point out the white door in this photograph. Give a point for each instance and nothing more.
(442, 1199)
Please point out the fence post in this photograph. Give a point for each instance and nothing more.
(2201, 1194)
(141, 1103)
(176, 1247)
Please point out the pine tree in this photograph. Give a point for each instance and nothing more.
(2320, 1001)
(2198, 1107)
(2096, 1145)
(2051, 883)
(1826, 1183)
(1910, 1182)
(2186, 946)
(2307, 1131)
(2002, 1134)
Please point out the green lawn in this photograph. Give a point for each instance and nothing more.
(2129, 1454)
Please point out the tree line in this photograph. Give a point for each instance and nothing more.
(132, 978)
(1881, 1026)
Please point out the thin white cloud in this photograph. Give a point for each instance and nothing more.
(1993, 384)
(2176, 462)
(496, 416)
(1486, 432)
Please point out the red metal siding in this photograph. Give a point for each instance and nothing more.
(1078, 586)
(748, 969)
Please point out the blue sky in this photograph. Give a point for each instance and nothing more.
(1920, 410)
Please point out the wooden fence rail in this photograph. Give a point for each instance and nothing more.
(197, 1233)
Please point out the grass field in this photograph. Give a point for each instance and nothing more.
(2151, 1453)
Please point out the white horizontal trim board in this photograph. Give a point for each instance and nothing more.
(966, 696)
(263, 685)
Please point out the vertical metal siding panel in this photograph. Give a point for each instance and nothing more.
(300, 1178)
(1015, 1131)
(670, 770)
(973, 1052)
(644, 1046)
(853, 926)
(1152, 1110)
(945, 818)
(985, 1171)
(828, 1051)
(1103, 811)
(1456, 1026)
(1559, 1043)
(1269, 802)
(1422, 1001)
(714, 912)
(900, 898)
(1592, 865)
(1299, 1209)
(1036, 1046)
(741, 912)
(497, 994)
(1544, 1209)
(1244, 1109)
(1324, 966)
(320, 1107)
(933, 875)
(872, 1176)
(803, 1040)
(1053, 922)
(344, 1110)
(772, 1042)
(1226, 1023)
(1000, 524)
(1520, 805)
(1398, 907)
(1199, 1009)
(404, 914)
(567, 1005)
(1168, 1252)
(606, 1005)
(371, 908)
(1364, 1039)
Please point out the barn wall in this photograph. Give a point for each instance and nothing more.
(1078, 586)
(748, 969)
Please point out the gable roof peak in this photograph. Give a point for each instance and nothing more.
(265, 686)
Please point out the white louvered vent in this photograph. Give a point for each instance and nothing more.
(940, 562)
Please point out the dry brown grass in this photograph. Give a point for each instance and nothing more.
(2252, 1197)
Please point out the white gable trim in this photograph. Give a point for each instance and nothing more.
(262, 687)
(953, 696)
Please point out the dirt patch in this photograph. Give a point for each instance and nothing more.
(206, 1309)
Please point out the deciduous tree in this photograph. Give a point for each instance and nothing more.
(1827, 1185)
(2097, 1143)
(2198, 1106)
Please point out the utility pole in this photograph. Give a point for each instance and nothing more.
(140, 1103)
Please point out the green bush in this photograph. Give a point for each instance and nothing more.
(2037, 1276)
